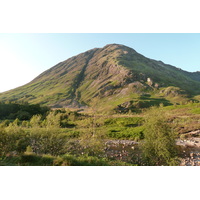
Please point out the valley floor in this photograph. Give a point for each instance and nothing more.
(68, 138)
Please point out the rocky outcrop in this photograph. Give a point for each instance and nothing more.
(172, 91)
(149, 81)
(192, 142)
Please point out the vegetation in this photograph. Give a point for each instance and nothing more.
(158, 147)
(50, 141)
(64, 137)
(22, 111)
(116, 96)
(65, 160)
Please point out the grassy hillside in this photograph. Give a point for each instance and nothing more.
(114, 77)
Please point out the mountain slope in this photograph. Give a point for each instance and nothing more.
(114, 75)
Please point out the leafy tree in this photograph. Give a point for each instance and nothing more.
(5, 123)
(53, 120)
(159, 146)
(23, 111)
(23, 115)
(47, 141)
(93, 145)
(25, 124)
(7, 143)
(12, 139)
(36, 121)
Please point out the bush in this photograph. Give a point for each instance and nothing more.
(43, 141)
(36, 160)
(7, 142)
(22, 111)
(13, 139)
(4, 124)
(53, 120)
(36, 121)
(159, 147)
(92, 144)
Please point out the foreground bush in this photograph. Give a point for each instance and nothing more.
(158, 147)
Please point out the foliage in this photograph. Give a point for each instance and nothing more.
(124, 121)
(90, 161)
(4, 123)
(124, 128)
(47, 140)
(35, 121)
(65, 160)
(67, 138)
(12, 140)
(159, 146)
(53, 120)
(127, 133)
(20, 111)
(93, 144)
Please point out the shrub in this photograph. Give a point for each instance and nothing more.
(36, 121)
(4, 124)
(92, 144)
(53, 120)
(159, 147)
(36, 160)
(43, 141)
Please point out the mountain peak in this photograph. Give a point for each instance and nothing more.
(118, 46)
(114, 73)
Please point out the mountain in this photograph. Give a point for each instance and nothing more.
(113, 77)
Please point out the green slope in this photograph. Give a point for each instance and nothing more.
(113, 75)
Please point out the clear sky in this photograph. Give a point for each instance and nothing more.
(24, 56)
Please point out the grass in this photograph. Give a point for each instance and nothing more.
(124, 121)
(195, 110)
(183, 118)
(65, 160)
(124, 128)
(126, 133)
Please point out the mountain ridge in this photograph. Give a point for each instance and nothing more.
(114, 73)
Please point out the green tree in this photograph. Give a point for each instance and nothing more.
(7, 142)
(36, 121)
(158, 147)
(53, 120)
(93, 145)
(94, 103)
(4, 124)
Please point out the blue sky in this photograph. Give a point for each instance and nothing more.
(24, 56)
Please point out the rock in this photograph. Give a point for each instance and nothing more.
(149, 81)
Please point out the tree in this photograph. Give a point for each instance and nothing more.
(36, 121)
(158, 147)
(92, 145)
(53, 120)
(94, 103)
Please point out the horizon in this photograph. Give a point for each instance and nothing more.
(38, 52)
